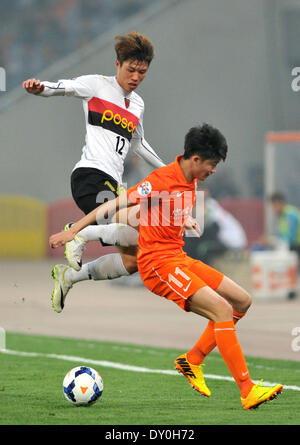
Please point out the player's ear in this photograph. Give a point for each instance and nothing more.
(196, 159)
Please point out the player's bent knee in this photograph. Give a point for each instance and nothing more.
(247, 301)
(244, 302)
(130, 263)
(223, 311)
(237, 296)
(208, 303)
(132, 268)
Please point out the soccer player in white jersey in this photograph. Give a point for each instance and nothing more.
(114, 123)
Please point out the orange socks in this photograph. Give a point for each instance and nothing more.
(233, 356)
(207, 342)
(204, 345)
(223, 335)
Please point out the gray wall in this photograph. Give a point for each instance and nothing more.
(283, 36)
(210, 65)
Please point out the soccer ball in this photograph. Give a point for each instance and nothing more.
(82, 386)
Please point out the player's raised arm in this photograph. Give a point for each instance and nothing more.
(102, 212)
(141, 147)
(82, 87)
(44, 88)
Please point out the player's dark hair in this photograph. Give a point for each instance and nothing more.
(207, 142)
(277, 196)
(134, 46)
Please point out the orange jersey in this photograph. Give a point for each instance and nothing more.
(166, 199)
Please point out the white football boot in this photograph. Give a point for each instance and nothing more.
(61, 287)
(74, 250)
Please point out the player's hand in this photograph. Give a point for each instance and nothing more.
(61, 238)
(191, 223)
(33, 86)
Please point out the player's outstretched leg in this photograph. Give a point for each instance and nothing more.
(193, 373)
(260, 394)
(106, 267)
(61, 287)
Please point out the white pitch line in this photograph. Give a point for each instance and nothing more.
(123, 367)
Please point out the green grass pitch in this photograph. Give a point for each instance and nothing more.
(31, 387)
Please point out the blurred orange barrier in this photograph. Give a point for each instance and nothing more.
(22, 227)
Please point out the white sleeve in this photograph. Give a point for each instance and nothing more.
(141, 147)
(52, 89)
(82, 87)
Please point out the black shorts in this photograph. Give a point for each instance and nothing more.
(91, 187)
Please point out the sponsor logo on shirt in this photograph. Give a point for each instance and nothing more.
(112, 117)
(182, 212)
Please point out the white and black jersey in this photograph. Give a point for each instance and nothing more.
(114, 122)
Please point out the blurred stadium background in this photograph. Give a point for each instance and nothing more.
(224, 63)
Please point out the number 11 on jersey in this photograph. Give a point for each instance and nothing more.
(178, 282)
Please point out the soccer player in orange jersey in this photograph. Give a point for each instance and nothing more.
(166, 198)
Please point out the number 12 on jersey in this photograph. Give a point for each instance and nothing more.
(120, 145)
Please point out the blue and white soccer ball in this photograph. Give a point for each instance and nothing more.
(82, 386)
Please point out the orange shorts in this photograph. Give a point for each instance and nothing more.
(177, 277)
